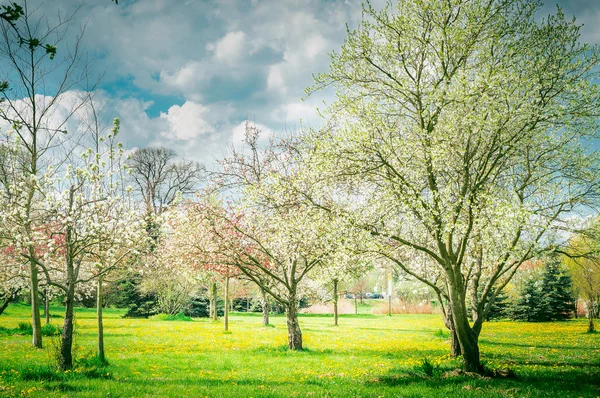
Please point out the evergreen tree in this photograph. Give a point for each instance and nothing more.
(557, 299)
(527, 306)
(500, 307)
(549, 298)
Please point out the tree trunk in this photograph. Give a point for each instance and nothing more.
(355, 305)
(265, 308)
(226, 301)
(335, 302)
(362, 295)
(5, 303)
(215, 315)
(390, 294)
(466, 336)
(9, 298)
(99, 295)
(591, 326)
(36, 322)
(454, 343)
(294, 332)
(47, 307)
(66, 346)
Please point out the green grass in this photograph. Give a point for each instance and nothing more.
(366, 356)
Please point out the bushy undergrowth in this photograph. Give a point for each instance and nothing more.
(170, 317)
(25, 329)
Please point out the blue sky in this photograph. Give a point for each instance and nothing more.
(186, 74)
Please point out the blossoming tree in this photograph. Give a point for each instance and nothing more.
(463, 125)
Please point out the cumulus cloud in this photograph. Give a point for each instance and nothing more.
(186, 121)
(210, 65)
(230, 48)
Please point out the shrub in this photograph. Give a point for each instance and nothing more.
(51, 330)
(170, 317)
(25, 328)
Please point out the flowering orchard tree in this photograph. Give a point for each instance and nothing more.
(266, 228)
(35, 117)
(13, 277)
(343, 266)
(191, 244)
(461, 127)
(93, 228)
(582, 257)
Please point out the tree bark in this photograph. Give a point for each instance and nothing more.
(36, 322)
(466, 336)
(454, 343)
(265, 308)
(101, 355)
(335, 302)
(9, 298)
(226, 301)
(355, 305)
(47, 307)
(5, 303)
(66, 347)
(215, 315)
(294, 332)
(591, 326)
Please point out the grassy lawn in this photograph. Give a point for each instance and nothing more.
(367, 356)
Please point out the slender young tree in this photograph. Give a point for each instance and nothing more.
(92, 230)
(28, 46)
(583, 261)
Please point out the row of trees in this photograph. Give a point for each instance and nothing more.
(455, 151)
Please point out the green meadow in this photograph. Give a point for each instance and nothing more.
(365, 356)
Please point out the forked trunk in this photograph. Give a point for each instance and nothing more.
(99, 294)
(466, 336)
(335, 302)
(294, 332)
(265, 309)
(36, 322)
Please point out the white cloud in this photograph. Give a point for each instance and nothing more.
(186, 121)
(230, 48)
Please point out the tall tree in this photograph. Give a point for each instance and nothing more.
(159, 177)
(28, 103)
(461, 128)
